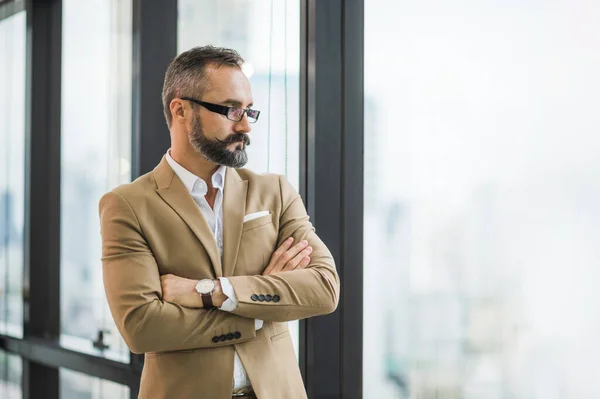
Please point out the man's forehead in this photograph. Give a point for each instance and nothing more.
(228, 82)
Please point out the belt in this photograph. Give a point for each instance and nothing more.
(243, 393)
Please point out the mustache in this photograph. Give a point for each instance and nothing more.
(235, 138)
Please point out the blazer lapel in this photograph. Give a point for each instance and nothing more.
(174, 193)
(234, 209)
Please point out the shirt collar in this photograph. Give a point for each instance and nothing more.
(193, 183)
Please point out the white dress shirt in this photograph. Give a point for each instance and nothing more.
(214, 217)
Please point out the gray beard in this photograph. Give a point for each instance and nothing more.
(216, 151)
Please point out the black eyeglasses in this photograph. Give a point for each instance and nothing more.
(233, 114)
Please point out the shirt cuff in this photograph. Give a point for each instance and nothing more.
(231, 303)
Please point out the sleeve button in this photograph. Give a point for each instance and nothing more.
(276, 298)
(254, 297)
(268, 298)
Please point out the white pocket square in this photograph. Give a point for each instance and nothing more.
(255, 215)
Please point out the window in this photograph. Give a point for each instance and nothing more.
(482, 185)
(96, 157)
(267, 36)
(74, 385)
(11, 369)
(12, 172)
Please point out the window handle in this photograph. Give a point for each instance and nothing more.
(99, 342)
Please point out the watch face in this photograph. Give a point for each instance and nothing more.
(205, 286)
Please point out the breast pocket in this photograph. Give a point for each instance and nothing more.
(256, 223)
(257, 244)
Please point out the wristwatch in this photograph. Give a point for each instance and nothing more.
(205, 288)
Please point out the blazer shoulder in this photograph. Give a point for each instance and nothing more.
(267, 180)
(140, 187)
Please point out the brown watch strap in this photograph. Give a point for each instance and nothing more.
(207, 301)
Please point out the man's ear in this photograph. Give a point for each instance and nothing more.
(178, 110)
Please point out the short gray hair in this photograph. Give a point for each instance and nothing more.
(186, 75)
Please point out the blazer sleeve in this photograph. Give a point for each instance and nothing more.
(133, 290)
(296, 294)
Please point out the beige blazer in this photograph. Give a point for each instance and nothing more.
(153, 227)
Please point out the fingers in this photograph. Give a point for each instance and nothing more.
(297, 260)
(288, 257)
(304, 262)
(277, 254)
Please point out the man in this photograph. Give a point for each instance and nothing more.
(204, 262)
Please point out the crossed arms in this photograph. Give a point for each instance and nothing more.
(150, 323)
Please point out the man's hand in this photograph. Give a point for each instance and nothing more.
(287, 258)
(180, 290)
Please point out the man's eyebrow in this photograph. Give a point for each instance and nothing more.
(235, 103)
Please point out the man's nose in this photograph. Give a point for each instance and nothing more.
(243, 126)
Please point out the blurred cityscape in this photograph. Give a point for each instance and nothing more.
(481, 184)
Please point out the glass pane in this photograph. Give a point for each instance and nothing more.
(271, 49)
(12, 172)
(74, 385)
(96, 157)
(11, 370)
(482, 185)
